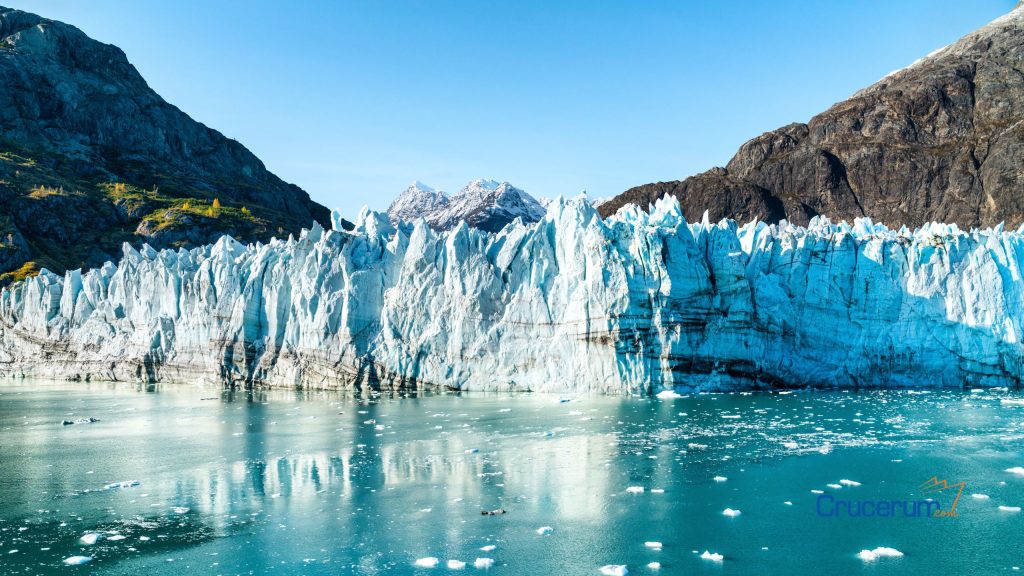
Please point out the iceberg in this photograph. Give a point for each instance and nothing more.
(880, 552)
(642, 302)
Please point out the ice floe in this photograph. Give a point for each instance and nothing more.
(712, 556)
(880, 552)
(90, 538)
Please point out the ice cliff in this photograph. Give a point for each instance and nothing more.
(635, 303)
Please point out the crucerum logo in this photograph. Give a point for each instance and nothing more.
(830, 506)
(933, 485)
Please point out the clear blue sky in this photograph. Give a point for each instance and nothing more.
(354, 100)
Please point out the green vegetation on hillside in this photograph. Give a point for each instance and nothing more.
(49, 220)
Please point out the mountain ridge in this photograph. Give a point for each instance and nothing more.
(484, 204)
(938, 140)
(91, 156)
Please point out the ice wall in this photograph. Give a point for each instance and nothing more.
(632, 304)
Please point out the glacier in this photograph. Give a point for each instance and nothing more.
(637, 303)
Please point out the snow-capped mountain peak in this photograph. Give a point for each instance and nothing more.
(483, 203)
(417, 201)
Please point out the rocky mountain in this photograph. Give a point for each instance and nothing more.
(483, 204)
(940, 140)
(417, 201)
(91, 156)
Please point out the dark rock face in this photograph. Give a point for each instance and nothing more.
(942, 139)
(76, 117)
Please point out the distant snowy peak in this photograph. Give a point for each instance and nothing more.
(485, 204)
(418, 200)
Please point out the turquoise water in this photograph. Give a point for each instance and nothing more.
(310, 483)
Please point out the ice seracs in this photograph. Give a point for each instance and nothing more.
(638, 303)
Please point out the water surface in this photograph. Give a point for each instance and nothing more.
(320, 483)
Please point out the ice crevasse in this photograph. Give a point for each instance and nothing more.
(636, 303)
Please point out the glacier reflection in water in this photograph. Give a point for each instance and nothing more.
(295, 482)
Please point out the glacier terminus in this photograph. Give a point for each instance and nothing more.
(636, 303)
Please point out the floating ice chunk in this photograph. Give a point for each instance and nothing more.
(180, 510)
(635, 489)
(719, 478)
(77, 560)
(90, 538)
(668, 394)
(655, 545)
(124, 484)
(712, 556)
(979, 496)
(817, 491)
(1012, 401)
(144, 538)
(834, 486)
(428, 562)
(545, 530)
(614, 570)
(730, 512)
(657, 490)
(846, 482)
(654, 565)
(880, 552)
(488, 548)
(1009, 508)
(791, 445)
(1016, 470)
(456, 564)
(483, 563)
(115, 537)
(788, 503)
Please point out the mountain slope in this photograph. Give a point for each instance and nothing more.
(483, 204)
(90, 156)
(941, 140)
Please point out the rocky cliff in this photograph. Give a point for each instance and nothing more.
(90, 157)
(940, 140)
